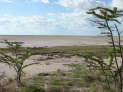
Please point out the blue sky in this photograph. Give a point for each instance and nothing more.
(49, 17)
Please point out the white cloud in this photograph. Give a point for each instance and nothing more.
(43, 1)
(75, 22)
(28, 25)
(79, 4)
(78, 19)
(38, 25)
(117, 3)
(8, 1)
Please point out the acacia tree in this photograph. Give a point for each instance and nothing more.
(107, 19)
(15, 58)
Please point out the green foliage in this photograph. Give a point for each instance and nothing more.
(56, 82)
(74, 50)
(77, 74)
(107, 19)
(31, 88)
(106, 14)
(38, 81)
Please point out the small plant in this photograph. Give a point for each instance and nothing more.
(15, 58)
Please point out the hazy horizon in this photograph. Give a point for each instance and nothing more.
(51, 41)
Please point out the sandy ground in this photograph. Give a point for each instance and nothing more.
(42, 41)
(54, 64)
(45, 65)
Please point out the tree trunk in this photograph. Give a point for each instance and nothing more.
(19, 82)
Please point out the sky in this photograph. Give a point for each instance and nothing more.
(50, 17)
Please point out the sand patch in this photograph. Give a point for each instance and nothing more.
(44, 66)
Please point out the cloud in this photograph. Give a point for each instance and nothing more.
(74, 22)
(62, 24)
(80, 4)
(8, 1)
(70, 23)
(117, 3)
(43, 1)
(33, 25)
(77, 21)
